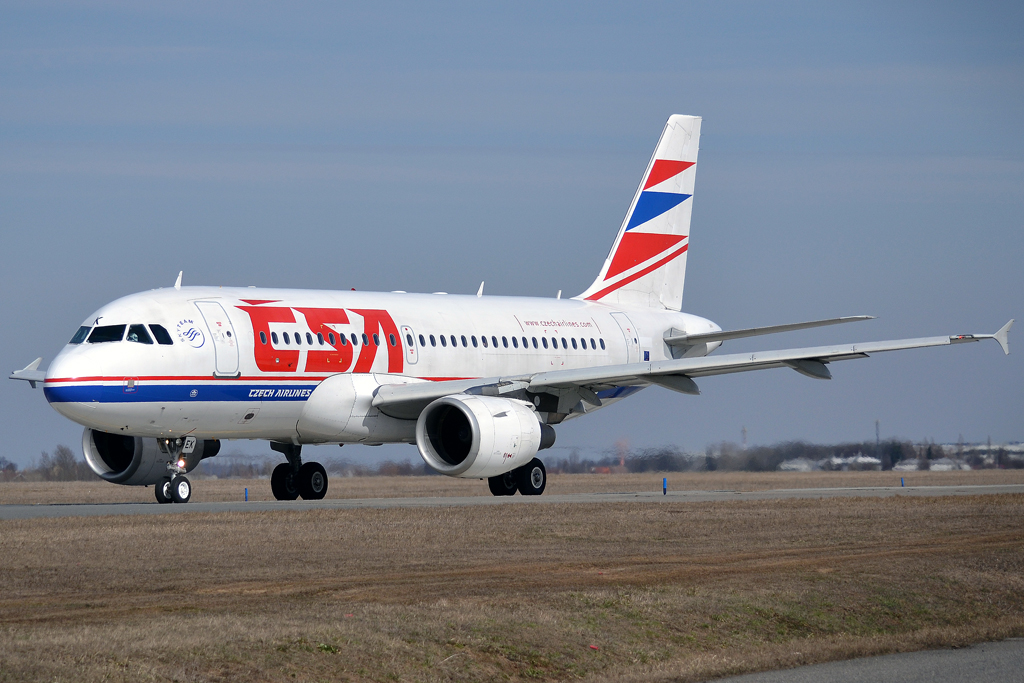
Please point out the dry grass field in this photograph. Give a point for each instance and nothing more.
(211, 490)
(624, 591)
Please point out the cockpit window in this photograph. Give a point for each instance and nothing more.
(80, 336)
(137, 333)
(161, 334)
(106, 333)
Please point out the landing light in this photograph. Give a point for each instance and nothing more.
(181, 462)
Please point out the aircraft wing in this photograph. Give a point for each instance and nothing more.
(582, 384)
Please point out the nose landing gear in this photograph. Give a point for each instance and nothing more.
(176, 488)
(294, 478)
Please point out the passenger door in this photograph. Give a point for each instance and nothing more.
(632, 337)
(225, 342)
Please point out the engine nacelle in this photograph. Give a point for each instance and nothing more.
(137, 461)
(480, 436)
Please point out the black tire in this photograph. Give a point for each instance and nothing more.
(181, 489)
(163, 491)
(312, 481)
(282, 483)
(532, 478)
(503, 484)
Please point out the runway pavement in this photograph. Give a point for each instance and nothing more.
(89, 510)
(990, 662)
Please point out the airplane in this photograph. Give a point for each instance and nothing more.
(478, 383)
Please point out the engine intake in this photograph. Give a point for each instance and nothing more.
(480, 436)
(134, 460)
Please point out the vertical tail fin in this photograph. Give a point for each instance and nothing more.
(647, 264)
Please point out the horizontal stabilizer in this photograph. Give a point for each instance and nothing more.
(30, 373)
(725, 335)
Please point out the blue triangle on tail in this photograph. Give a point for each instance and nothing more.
(653, 204)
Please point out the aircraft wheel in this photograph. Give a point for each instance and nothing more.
(163, 491)
(181, 489)
(503, 484)
(312, 481)
(532, 478)
(282, 483)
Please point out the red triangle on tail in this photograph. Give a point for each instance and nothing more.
(664, 169)
(637, 247)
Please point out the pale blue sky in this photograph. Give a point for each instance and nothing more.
(855, 158)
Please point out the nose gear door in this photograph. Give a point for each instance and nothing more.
(225, 342)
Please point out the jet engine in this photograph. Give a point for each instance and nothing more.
(137, 461)
(480, 436)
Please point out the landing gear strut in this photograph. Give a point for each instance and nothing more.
(176, 488)
(292, 479)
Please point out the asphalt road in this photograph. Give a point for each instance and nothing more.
(88, 510)
(989, 662)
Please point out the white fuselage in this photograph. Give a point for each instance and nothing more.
(244, 362)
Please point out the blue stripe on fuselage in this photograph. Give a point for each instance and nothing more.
(172, 393)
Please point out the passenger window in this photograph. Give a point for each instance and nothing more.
(408, 340)
(161, 335)
(565, 344)
(593, 344)
(422, 341)
(273, 337)
(444, 342)
(454, 343)
(366, 340)
(544, 342)
(263, 337)
(330, 338)
(320, 338)
(534, 340)
(602, 344)
(355, 339)
(391, 338)
(526, 344)
(343, 339)
(574, 342)
(515, 342)
(432, 342)
(494, 341)
(287, 338)
(138, 334)
(472, 338)
(504, 342)
(80, 336)
(484, 340)
(298, 339)
(309, 339)
(464, 344)
(107, 333)
(376, 339)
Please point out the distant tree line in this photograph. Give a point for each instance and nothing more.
(726, 456)
(61, 466)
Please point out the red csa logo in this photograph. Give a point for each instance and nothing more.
(339, 356)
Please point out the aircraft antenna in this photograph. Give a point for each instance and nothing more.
(177, 283)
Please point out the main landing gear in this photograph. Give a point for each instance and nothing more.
(294, 478)
(529, 480)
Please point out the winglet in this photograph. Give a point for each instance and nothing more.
(30, 373)
(177, 283)
(1003, 337)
